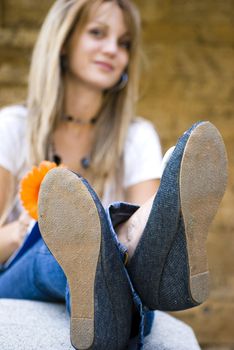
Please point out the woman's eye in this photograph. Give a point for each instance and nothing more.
(126, 44)
(96, 32)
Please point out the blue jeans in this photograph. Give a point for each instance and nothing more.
(36, 275)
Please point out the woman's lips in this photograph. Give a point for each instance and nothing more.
(105, 66)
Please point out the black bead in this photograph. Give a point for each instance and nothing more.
(57, 159)
(85, 162)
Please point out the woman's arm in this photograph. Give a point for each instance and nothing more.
(11, 235)
(141, 192)
(6, 190)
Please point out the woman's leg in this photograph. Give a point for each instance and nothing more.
(35, 276)
(73, 224)
(167, 236)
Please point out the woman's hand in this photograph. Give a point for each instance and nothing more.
(12, 235)
(22, 227)
(6, 192)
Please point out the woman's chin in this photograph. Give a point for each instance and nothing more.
(104, 87)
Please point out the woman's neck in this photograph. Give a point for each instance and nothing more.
(80, 101)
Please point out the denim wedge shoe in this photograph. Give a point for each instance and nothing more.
(169, 267)
(74, 226)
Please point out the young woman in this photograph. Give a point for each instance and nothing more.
(80, 110)
(83, 86)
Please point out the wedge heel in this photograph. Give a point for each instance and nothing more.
(203, 178)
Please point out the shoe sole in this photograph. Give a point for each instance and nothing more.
(70, 225)
(203, 178)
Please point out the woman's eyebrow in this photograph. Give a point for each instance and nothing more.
(98, 22)
(107, 26)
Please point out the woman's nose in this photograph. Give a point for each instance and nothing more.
(110, 46)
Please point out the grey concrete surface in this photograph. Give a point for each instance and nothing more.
(30, 325)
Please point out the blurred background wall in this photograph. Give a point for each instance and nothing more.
(188, 76)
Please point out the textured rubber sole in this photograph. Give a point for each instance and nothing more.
(203, 178)
(70, 225)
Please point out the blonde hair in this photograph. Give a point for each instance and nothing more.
(45, 97)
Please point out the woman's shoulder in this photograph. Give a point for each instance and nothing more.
(13, 111)
(142, 153)
(142, 138)
(13, 121)
(12, 126)
(12, 136)
(140, 121)
(141, 129)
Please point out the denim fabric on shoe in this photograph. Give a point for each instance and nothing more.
(117, 213)
(147, 266)
(163, 262)
(38, 276)
(72, 220)
(35, 276)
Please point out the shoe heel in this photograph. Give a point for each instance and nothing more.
(203, 178)
(82, 333)
(74, 243)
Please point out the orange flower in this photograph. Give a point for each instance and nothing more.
(30, 186)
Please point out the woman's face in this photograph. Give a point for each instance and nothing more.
(100, 53)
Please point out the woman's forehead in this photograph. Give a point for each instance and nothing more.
(108, 13)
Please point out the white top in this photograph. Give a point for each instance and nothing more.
(142, 154)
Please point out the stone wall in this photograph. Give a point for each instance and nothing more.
(188, 76)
